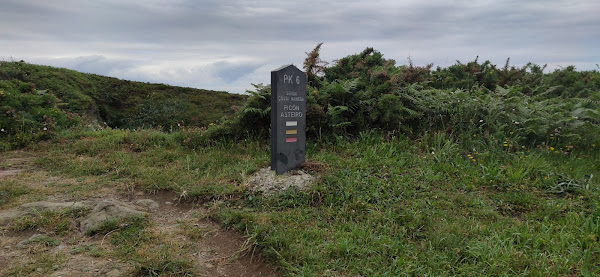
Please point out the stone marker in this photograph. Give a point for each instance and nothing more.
(288, 118)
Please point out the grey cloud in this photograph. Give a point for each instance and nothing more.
(220, 42)
(231, 72)
(97, 64)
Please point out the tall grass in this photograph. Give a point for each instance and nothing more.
(389, 208)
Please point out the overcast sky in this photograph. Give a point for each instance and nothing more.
(227, 45)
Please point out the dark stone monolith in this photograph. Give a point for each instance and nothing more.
(288, 118)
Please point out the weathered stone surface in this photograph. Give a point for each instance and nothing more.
(109, 209)
(268, 182)
(147, 204)
(114, 273)
(25, 243)
(36, 207)
(7, 216)
(52, 206)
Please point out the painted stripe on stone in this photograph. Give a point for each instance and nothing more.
(291, 139)
(291, 123)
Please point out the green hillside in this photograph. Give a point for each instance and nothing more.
(34, 95)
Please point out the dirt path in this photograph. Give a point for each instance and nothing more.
(14, 163)
(182, 226)
(216, 251)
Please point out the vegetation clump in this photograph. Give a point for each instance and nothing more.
(470, 102)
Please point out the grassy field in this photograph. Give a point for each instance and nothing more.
(383, 205)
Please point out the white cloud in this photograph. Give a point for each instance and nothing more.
(229, 44)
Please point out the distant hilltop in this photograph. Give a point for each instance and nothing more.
(111, 101)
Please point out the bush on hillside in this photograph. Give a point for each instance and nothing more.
(468, 102)
(28, 114)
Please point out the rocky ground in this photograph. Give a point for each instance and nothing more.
(62, 234)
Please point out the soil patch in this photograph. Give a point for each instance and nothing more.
(9, 172)
(17, 162)
(217, 252)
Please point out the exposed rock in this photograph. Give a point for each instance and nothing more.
(109, 209)
(81, 257)
(266, 181)
(35, 238)
(7, 216)
(36, 207)
(52, 206)
(113, 273)
(148, 204)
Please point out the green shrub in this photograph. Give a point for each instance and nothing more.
(28, 114)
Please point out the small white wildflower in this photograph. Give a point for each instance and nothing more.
(45, 129)
(2, 130)
(481, 120)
